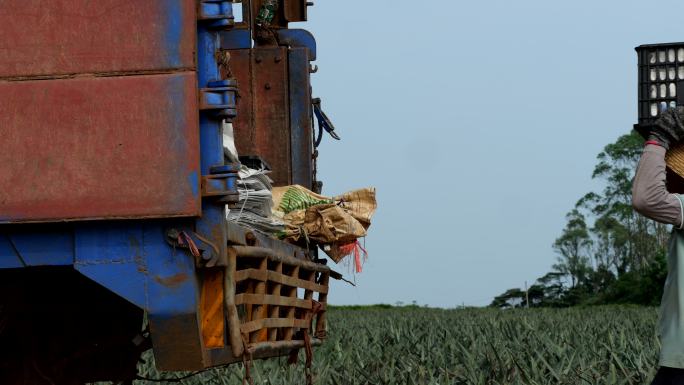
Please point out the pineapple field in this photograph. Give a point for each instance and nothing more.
(415, 345)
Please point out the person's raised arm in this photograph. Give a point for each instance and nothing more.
(649, 195)
(649, 192)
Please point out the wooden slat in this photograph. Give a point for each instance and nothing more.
(248, 307)
(321, 319)
(279, 278)
(274, 300)
(243, 275)
(253, 326)
(260, 311)
(308, 294)
(274, 311)
(274, 255)
(234, 335)
(291, 311)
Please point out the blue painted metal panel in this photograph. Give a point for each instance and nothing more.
(157, 277)
(173, 302)
(236, 39)
(172, 283)
(298, 38)
(216, 13)
(48, 248)
(133, 260)
(36, 247)
(173, 17)
(9, 257)
(112, 255)
(212, 223)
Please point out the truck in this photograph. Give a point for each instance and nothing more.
(114, 186)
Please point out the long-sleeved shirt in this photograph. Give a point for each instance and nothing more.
(649, 192)
(651, 198)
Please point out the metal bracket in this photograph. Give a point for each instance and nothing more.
(221, 184)
(298, 38)
(202, 250)
(220, 96)
(216, 13)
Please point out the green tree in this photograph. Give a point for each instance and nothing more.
(552, 284)
(573, 247)
(510, 299)
(623, 239)
(607, 252)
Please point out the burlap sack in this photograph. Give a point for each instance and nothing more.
(323, 224)
(291, 198)
(324, 220)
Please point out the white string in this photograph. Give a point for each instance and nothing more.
(243, 206)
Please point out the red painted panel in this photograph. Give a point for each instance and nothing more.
(92, 148)
(57, 37)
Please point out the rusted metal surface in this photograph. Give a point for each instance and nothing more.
(295, 10)
(64, 37)
(176, 342)
(300, 117)
(96, 148)
(262, 126)
(239, 235)
(275, 255)
(289, 11)
(274, 107)
(260, 351)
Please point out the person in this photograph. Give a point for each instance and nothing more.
(651, 198)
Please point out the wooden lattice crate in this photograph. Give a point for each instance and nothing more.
(278, 299)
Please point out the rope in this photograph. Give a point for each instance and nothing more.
(184, 239)
(308, 348)
(237, 220)
(247, 362)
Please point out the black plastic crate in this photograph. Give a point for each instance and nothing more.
(661, 79)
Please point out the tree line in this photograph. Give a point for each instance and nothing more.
(607, 253)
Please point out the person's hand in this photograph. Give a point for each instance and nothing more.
(669, 128)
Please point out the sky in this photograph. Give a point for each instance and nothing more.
(479, 123)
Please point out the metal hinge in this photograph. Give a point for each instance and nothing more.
(221, 184)
(220, 97)
(216, 13)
